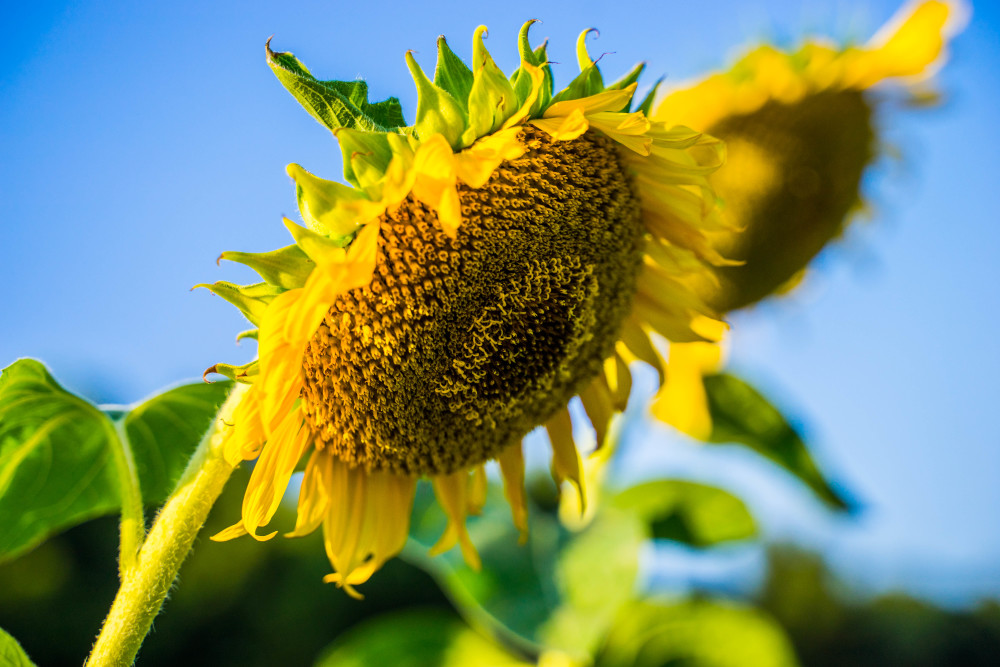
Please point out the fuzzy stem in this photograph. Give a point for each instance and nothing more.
(147, 583)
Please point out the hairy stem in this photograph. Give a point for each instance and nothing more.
(147, 583)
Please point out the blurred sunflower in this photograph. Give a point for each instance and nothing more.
(512, 249)
(800, 129)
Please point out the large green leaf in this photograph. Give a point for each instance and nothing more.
(164, 431)
(56, 459)
(420, 638)
(11, 653)
(63, 461)
(699, 632)
(740, 414)
(688, 512)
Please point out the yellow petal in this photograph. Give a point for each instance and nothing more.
(451, 494)
(609, 100)
(682, 401)
(314, 494)
(564, 128)
(565, 457)
(512, 468)
(273, 470)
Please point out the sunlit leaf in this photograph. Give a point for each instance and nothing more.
(416, 639)
(740, 414)
(56, 466)
(701, 632)
(165, 430)
(58, 451)
(687, 512)
(11, 653)
(335, 104)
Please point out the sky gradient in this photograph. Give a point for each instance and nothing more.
(140, 140)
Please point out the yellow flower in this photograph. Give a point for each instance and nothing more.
(799, 133)
(511, 250)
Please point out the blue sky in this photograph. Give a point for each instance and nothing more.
(140, 140)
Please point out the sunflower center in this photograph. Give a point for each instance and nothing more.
(792, 178)
(461, 346)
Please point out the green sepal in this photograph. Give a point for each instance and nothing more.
(646, 106)
(245, 373)
(366, 156)
(492, 99)
(522, 83)
(286, 267)
(589, 81)
(252, 334)
(335, 104)
(548, 83)
(437, 110)
(252, 300)
(318, 199)
(629, 78)
(315, 245)
(627, 81)
(452, 75)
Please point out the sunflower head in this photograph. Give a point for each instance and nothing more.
(513, 248)
(800, 128)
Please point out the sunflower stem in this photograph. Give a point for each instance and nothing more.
(146, 584)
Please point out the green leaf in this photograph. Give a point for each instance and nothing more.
(740, 414)
(699, 632)
(687, 512)
(56, 467)
(416, 638)
(11, 653)
(335, 104)
(286, 267)
(164, 431)
(63, 461)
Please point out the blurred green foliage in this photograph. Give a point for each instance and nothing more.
(831, 627)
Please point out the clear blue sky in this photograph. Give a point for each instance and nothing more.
(139, 140)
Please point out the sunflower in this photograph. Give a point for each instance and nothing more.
(800, 130)
(511, 250)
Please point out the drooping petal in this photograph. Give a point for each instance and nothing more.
(565, 457)
(451, 492)
(314, 494)
(512, 468)
(681, 401)
(273, 470)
